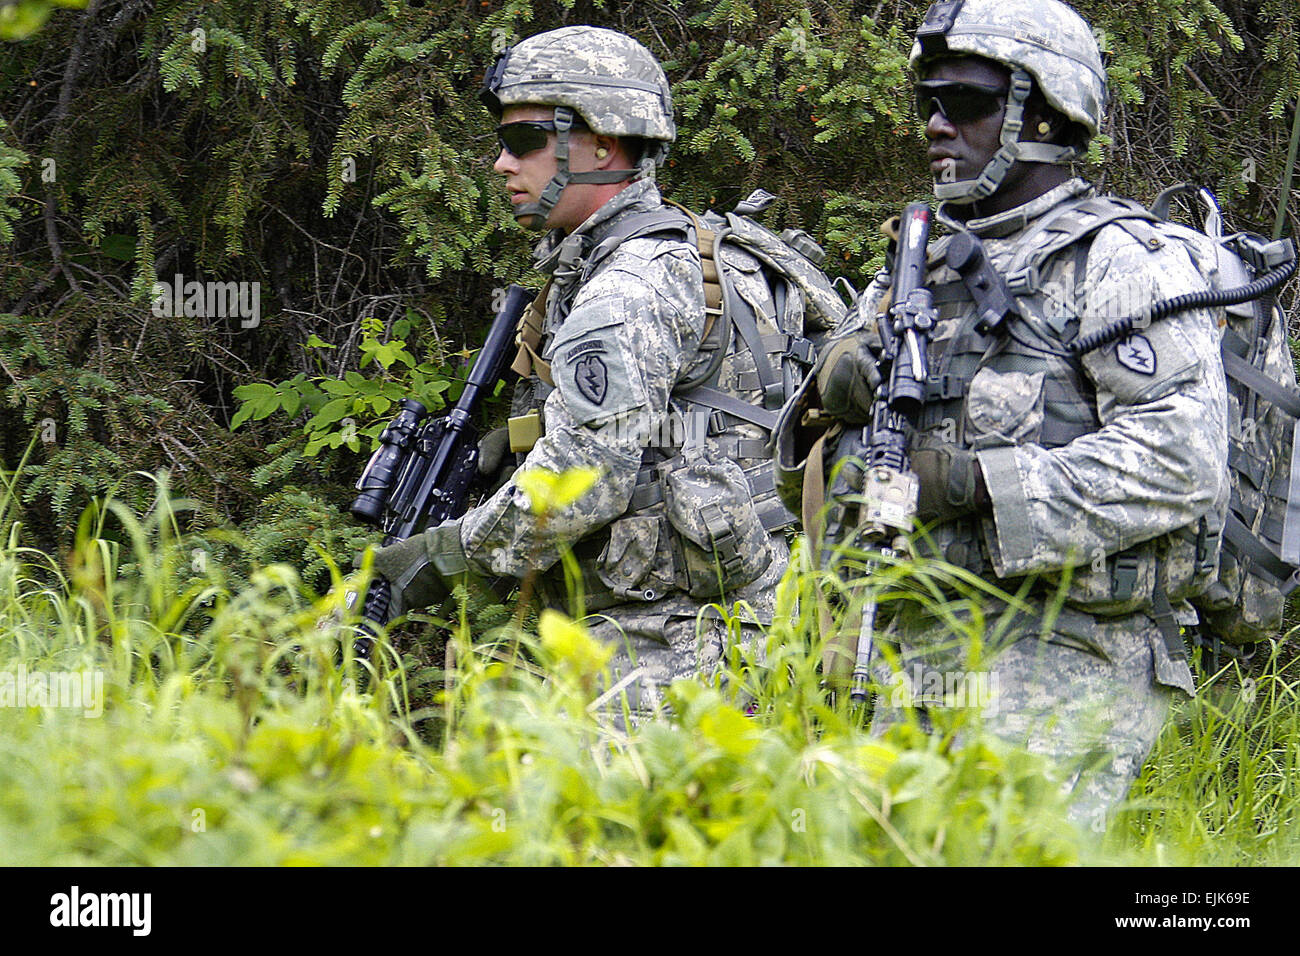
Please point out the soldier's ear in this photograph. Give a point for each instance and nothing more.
(1043, 124)
(606, 146)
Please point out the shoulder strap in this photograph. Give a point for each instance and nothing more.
(717, 293)
(744, 317)
(706, 240)
(1077, 221)
(528, 336)
(720, 401)
(655, 222)
(1259, 381)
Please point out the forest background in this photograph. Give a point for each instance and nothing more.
(335, 154)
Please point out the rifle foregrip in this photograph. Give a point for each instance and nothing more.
(374, 613)
(378, 599)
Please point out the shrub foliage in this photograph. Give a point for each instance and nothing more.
(335, 153)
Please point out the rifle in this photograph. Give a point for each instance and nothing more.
(422, 471)
(878, 453)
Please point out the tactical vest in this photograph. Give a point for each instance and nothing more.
(716, 510)
(1045, 276)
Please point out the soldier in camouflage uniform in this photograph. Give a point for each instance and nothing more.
(1099, 479)
(586, 118)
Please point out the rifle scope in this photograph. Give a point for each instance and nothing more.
(912, 315)
(376, 482)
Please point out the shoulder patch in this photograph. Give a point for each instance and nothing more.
(1136, 354)
(591, 375)
(599, 356)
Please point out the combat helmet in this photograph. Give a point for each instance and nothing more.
(608, 81)
(1042, 41)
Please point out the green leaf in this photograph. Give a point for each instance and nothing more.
(330, 413)
(730, 730)
(266, 406)
(256, 391)
(570, 646)
(549, 492)
(258, 400)
(244, 414)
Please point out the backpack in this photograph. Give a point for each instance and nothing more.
(1259, 553)
(1259, 560)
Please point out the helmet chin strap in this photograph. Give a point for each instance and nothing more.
(538, 212)
(967, 191)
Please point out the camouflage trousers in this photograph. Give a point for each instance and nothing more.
(653, 650)
(680, 637)
(1084, 695)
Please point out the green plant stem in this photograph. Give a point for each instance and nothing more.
(1289, 175)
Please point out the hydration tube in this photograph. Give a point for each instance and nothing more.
(1205, 298)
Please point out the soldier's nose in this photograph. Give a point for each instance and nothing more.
(939, 126)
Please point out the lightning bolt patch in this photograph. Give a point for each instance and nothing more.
(592, 378)
(1136, 354)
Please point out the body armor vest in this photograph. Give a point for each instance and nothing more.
(1053, 403)
(710, 486)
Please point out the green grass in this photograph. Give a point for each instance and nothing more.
(1221, 786)
(237, 730)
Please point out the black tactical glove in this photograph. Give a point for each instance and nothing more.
(951, 483)
(496, 463)
(847, 379)
(423, 569)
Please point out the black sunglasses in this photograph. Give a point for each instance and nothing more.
(521, 138)
(958, 102)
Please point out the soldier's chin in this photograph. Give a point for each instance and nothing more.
(532, 221)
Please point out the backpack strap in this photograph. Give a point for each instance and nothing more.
(1291, 522)
(655, 222)
(1241, 370)
(720, 401)
(1077, 221)
(528, 336)
(741, 316)
(706, 240)
(1263, 561)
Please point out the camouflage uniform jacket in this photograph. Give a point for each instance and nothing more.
(620, 337)
(1103, 472)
